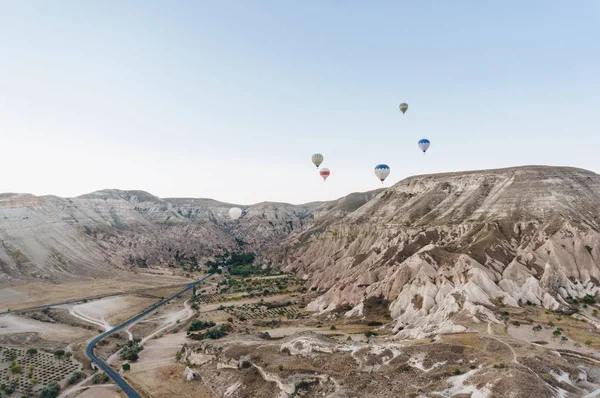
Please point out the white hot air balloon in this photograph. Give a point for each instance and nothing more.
(382, 171)
(317, 159)
(235, 213)
(424, 144)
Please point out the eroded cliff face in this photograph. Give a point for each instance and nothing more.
(56, 238)
(439, 246)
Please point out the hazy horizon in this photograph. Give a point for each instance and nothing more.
(229, 101)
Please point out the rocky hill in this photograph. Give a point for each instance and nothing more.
(438, 247)
(57, 238)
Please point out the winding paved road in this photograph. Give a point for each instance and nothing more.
(89, 351)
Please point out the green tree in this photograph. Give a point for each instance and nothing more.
(126, 366)
(59, 353)
(32, 351)
(50, 391)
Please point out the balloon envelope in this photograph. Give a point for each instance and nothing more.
(424, 144)
(317, 159)
(382, 171)
(324, 173)
(235, 213)
(403, 107)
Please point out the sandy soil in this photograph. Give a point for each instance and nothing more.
(101, 392)
(167, 382)
(159, 352)
(110, 311)
(44, 293)
(11, 324)
(527, 334)
(8, 295)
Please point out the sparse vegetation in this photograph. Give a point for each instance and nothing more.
(50, 391)
(198, 325)
(131, 350)
(75, 377)
(501, 365)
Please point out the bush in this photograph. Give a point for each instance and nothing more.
(457, 372)
(370, 334)
(197, 325)
(588, 343)
(131, 350)
(50, 391)
(216, 333)
(32, 351)
(75, 377)
(517, 323)
(501, 365)
(59, 353)
(126, 366)
(178, 356)
(589, 299)
(332, 327)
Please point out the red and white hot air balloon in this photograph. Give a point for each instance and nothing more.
(324, 173)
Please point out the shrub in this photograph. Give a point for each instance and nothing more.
(517, 323)
(457, 372)
(197, 325)
(370, 334)
(589, 299)
(59, 353)
(50, 391)
(332, 327)
(126, 366)
(280, 368)
(75, 377)
(178, 356)
(32, 351)
(588, 343)
(501, 365)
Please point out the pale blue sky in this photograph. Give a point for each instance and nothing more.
(229, 99)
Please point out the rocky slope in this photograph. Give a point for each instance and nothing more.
(57, 238)
(438, 247)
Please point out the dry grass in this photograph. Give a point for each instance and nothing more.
(45, 293)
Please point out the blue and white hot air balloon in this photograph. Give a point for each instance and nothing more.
(424, 144)
(382, 171)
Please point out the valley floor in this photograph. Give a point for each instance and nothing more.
(273, 347)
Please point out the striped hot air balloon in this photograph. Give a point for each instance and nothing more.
(324, 173)
(403, 107)
(317, 159)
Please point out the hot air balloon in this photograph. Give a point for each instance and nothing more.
(235, 213)
(324, 173)
(382, 171)
(403, 107)
(317, 159)
(424, 144)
